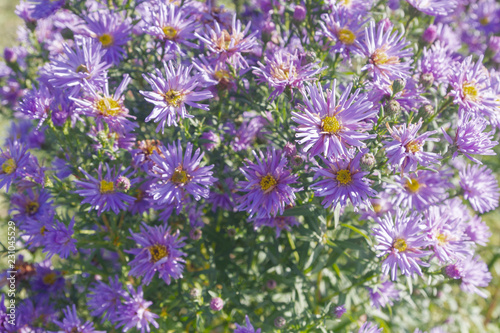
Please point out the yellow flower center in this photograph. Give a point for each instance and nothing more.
(346, 36)
(50, 278)
(344, 177)
(106, 40)
(413, 147)
(484, 21)
(82, 69)
(170, 32)
(380, 57)
(32, 207)
(107, 187)
(400, 245)
(222, 74)
(107, 106)
(330, 125)
(174, 98)
(412, 185)
(283, 72)
(9, 166)
(179, 176)
(442, 239)
(377, 208)
(158, 252)
(267, 183)
(42, 230)
(470, 91)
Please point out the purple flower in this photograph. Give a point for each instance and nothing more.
(134, 312)
(14, 163)
(470, 137)
(471, 87)
(106, 299)
(172, 92)
(25, 133)
(212, 140)
(101, 193)
(267, 188)
(369, 327)
(434, 7)
(344, 30)
(401, 240)
(178, 174)
(113, 32)
(216, 304)
(477, 231)
(473, 272)
(40, 9)
(280, 223)
(159, 252)
(343, 180)
(480, 187)
(420, 190)
(172, 24)
(248, 329)
(36, 104)
(405, 151)
(339, 310)
(383, 294)
(141, 157)
(333, 127)
(284, 70)
(445, 234)
(216, 74)
(385, 51)
(99, 103)
(222, 196)
(229, 46)
(58, 239)
(46, 279)
(71, 323)
(33, 205)
(69, 71)
(434, 65)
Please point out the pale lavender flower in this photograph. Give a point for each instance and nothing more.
(434, 7)
(401, 240)
(134, 312)
(172, 92)
(40, 9)
(216, 304)
(369, 327)
(383, 294)
(332, 127)
(36, 104)
(478, 231)
(435, 63)
(473, 272)
(405, 152)
(480, 187)
(158, 252)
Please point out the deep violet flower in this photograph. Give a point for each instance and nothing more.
(71, 322)
(246, 329)
(134, 312)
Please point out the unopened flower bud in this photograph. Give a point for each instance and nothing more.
(9, 55)
(296, 161)
(216, 304)
(398, 85)
(290, 150)
(392, 108)
(430, 34)
(300, 13)
(122, 183)
(427, 110)
(194, 293)
(368, 160)
(386, 24)
(279, 322)
(231, 232)
(339, 311)
(426, 79)
(195, 234)
(271, 284)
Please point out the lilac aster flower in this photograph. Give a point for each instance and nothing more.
(216, 304)
(58, 239)
(134, 312)
(172, 92)
(105, 299)
(248, 329)
(344, 180)
(383, 294)
(25, 133)
(141, 157)
(212, 140)
(421, 190)
(333, 127)
(369, 327)
(470, 137)
(405, 151)
(13, 164)
(445, 234)
(99, 103)
(280, 223)
(339, 311)
(86, 62)
(44, 8)
(434, 7)
(46, 279)
(434, 65)
(113, 32)
(102, 193)
(471, 87)
(36, 104)
(480, 187)
(172, 24)
(401, 239)
(477, 231)
(344, 30)
(33, 205)
(218, 75)
(229, 46)
(71, 322)
(267, 188)
(178, 174)
(473, 272)
(385, 51)
(159, 252)
(284, 70)
(222, 196)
